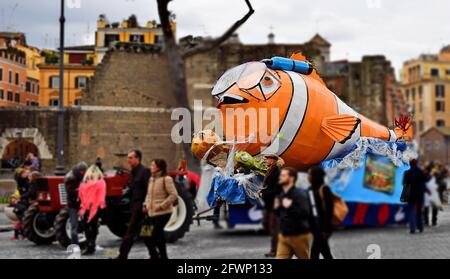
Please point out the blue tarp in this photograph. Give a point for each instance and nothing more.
(226, 189)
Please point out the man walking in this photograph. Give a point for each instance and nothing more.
(140, 176)
(293, 209)
(72, 183)
(268, 193)
(415, 179)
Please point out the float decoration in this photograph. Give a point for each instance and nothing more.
(314, 127)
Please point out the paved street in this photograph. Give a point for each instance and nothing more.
(247, 242)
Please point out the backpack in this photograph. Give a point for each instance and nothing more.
(340, 209)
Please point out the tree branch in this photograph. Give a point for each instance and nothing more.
(212, 44)
(164, 17)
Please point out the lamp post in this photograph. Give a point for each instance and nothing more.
(59, 170)
(19, 147)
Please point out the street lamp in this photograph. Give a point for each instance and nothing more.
(59, 170)
(19, 146)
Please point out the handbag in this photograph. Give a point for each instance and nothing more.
(340, 209)
(146, 227)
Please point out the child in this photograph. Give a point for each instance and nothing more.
(18, 228)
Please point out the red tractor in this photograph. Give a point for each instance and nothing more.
(47, 219)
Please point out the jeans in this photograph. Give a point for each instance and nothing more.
(271, 225)
(158, 239)
(133, 231)
(320, 246)
(415, 217)
(73, 219)
(91, 230)
(434, 215)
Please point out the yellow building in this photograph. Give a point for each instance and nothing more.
(80, 61)
(426, 85)
(32, 86)
(78, 68)
(128, 31)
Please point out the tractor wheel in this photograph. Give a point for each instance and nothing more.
(63, 229)
(38, 226)
(181, 218)
(118, 228)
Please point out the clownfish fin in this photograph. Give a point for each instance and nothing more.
(300, 57)
(340, 128)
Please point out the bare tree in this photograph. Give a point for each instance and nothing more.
(178, 54)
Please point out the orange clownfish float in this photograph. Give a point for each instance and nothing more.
(314, 125)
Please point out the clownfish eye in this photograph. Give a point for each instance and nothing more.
(267, 81)
(269, 84)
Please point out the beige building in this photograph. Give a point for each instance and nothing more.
(426, 85)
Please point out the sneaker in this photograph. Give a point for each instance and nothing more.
(14, 238)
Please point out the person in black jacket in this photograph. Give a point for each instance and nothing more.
(138, 185)
(72, 182)
(416, 180)
(293, 209)
(269, 191)
(321, 223)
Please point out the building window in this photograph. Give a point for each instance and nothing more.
(33, 89)
(53, 102)
(420, 125)
(2, 94)
(10, 78)
(17, 78)
(53, 82)
(407, 94)
(420, 107)
(17, 98)
(81, 82)
(434, 72)
(28, 87)
(37, 89)
(137, 38)
(420, 90)
(1, 74)
(110, 38)
(77, 58)
(440, 91)
(440, 123)
(413, 94)
(10, 96)
(78, 102)
(440, 106)
(447, 71)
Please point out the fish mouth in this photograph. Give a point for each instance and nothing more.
(231, 99)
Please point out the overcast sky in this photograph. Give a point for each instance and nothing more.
(400, 29)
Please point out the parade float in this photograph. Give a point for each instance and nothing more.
(300, 120)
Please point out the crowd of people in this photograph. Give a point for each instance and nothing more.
(25, 177)
(152, 194)
(424, 189)
(298, 221)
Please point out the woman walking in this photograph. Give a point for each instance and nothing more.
(92, 194)
(161, 196)
(322, 222)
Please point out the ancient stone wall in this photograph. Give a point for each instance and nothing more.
(128, 104)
